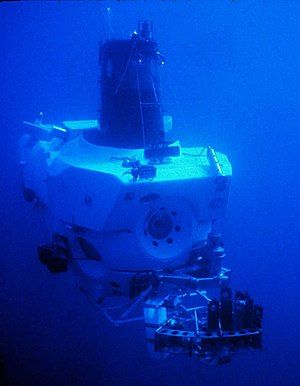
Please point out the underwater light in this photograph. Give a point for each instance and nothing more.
(133, 215)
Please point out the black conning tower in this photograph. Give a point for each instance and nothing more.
(131, 114)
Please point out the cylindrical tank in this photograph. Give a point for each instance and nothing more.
(130, 115)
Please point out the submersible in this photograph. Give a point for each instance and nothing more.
(133, 215)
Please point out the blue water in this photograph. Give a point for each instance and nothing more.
(234, 68)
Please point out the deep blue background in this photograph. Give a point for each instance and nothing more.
(234, 68)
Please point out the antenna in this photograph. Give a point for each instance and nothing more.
(107, 14)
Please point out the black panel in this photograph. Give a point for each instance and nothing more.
(130, 93)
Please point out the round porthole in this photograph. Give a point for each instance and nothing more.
(165, 228)
(160, 225)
